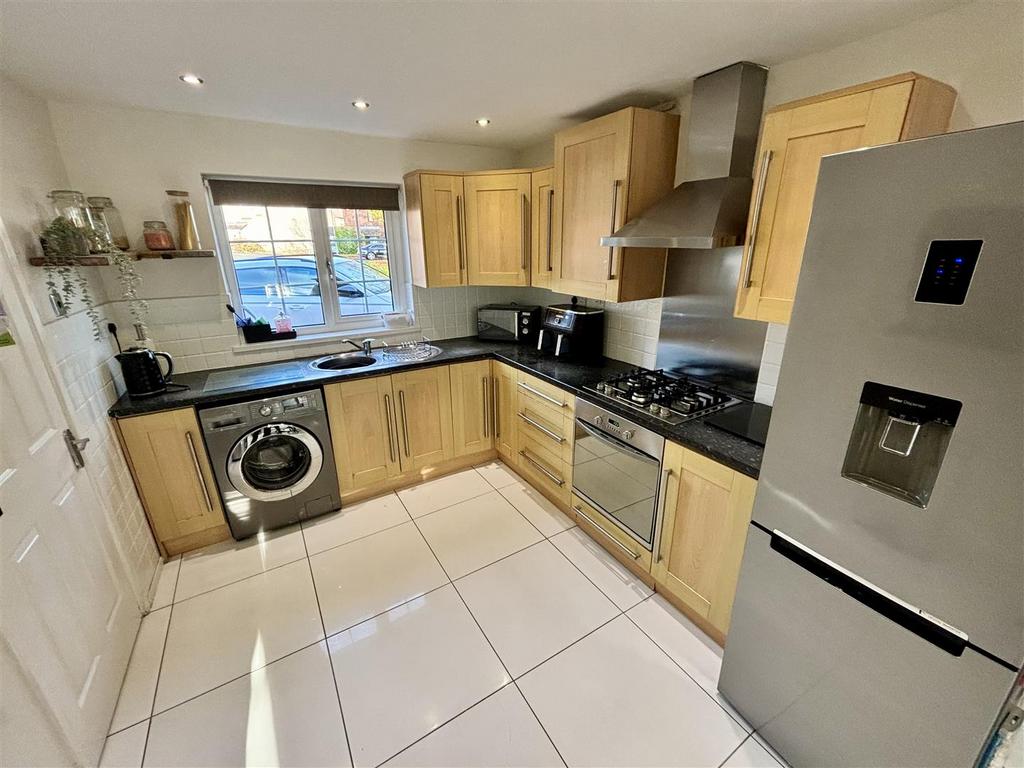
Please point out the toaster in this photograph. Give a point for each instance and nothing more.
(508, 322)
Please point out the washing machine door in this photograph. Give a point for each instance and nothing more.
(274, 461)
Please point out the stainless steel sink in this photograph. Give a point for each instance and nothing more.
(342, 361)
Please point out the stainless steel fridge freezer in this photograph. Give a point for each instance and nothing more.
(879, 617)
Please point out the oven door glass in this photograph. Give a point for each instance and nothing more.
(619, 480)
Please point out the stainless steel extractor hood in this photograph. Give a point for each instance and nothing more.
(709, 209)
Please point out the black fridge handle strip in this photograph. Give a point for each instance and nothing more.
(900, 613)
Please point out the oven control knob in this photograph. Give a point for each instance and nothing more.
(598, 420)
(627, 434)
(266, 410)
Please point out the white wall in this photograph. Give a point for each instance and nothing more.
(30, 166)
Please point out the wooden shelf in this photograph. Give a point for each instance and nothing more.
(94, 260)
(202, 254)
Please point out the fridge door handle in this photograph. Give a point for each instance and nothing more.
(924, 625)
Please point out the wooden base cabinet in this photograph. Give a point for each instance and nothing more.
(607, 171)
(172, 473)
(504, 405)
(472, 407)
(386, 426)
(794, 138)
(704, 528)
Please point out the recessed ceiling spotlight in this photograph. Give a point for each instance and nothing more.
(189, 79)
(361, 105)
(483, 121)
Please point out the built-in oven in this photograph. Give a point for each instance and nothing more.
(616, 468)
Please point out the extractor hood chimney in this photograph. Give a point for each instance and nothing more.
(709, 209)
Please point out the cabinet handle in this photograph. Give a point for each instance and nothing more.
(459, 234)
(387, 418)
(540, 394)
(405, 421)
(554, 478)
(611, 229)
(551, 208)
(612, 539)
(494, 407)
(659, 515)
(526, 229)
(199, 472)
(553, 435)
(487, 411)
(755, 219)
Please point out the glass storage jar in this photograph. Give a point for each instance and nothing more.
(184, 219)
(112, 218)
(157, 236)
(72, 206)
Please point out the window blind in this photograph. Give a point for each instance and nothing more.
(277, 193)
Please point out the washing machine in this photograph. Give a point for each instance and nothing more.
(272, 459)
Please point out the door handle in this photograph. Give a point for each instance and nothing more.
(537, 425)
(554, 478)
(612, 539)
(755, 218)
(494, 407)
(487, 411)
(387, 418)
(405, 421)
(540, 394)
(526, 228)
(611, 229)
(551, 208)
(199, 471)
(75, 446)
(459, 234)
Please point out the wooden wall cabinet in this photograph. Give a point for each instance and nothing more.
(172, 473)
(542, 195)
(607, 171)
(707, 510)
(794, 138)
(386, 426)
(497, 228)
(434, 217)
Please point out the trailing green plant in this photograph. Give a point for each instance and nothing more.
(63, 244)
(130, 279)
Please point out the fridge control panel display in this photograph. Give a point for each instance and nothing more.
(948, 269)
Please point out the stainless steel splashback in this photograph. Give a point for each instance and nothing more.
(699, 336)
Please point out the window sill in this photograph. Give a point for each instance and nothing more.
(311, 339)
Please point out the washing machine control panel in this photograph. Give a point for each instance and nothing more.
(279, 406)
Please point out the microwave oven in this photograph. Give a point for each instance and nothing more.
(508, 322)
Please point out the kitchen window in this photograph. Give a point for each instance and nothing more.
(324, 255)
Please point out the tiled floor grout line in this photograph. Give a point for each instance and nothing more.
(734, 751)
(684, 671)
(160, 667)
(327, 648)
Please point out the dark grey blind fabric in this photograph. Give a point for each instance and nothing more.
(234, 192)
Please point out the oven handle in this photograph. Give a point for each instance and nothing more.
(615, 443)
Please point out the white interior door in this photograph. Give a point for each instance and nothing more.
(67, 616)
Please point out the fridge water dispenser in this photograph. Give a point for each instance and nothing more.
(898, 441)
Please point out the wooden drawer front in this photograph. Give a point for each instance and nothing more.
(609, 535)
(535, 424)
(550, 477)
(543, 394)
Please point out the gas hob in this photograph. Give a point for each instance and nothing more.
(668, 398)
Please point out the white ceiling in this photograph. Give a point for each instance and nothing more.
(428, 68)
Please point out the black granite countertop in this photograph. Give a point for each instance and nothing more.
(265, 379)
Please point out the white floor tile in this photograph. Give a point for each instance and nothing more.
(124, 749)
(285, 714)
(165, 583)
(499, 732)
(443, 492)
(782, 761)
(136, 700)
(698, 655)
(475, 533)
(403, 674)
(353, 522)
(751, 755)
(376, 573)
(229, 561)
(615, 699)
(545, 516)
(612, 577)
(230, 631)
(533, 604)
(497, 474)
